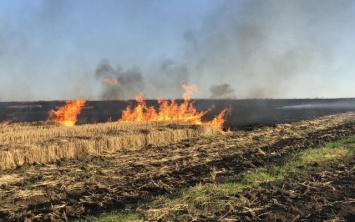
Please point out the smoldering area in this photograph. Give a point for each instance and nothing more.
(243, 112)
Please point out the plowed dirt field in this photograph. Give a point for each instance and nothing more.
(70, 189)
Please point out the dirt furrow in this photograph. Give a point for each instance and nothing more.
(85, 187)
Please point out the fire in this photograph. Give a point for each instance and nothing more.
(170, 110)
(6, 122)
(219, 120)
(67, 115)
(110, 81)
(188, 91)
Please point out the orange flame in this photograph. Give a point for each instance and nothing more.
(6, 122)
(188, 91)
(219, 120)
(67, 115)
(110, 81)
(170, 110)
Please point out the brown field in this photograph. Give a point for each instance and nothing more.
(43, 142)
(54, 173)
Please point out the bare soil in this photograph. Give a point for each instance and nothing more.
(85, 187)
(326, 194)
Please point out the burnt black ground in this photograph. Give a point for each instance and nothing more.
(244, 112)
(85, 187)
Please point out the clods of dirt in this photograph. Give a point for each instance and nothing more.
(83, 188)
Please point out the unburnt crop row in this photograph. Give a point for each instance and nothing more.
(43, 143)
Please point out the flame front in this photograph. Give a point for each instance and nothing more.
(170, 110)
(219, 120)
(67, 115)
(6, 122)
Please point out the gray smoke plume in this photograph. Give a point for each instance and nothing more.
(119, 84)
(270, 48)
(163, 81)
(260, 48)
(222, 91)
(166, 79)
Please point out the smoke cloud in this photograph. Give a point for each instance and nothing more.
(125, 84)
(229, 49)
(163, 81)
(263, 49)
(271, 49)
(222, 91)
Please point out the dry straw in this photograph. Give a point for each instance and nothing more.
(43, 142)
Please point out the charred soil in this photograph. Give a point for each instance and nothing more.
(85, 187)
(326, 194)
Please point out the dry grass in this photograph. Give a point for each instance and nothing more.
(47, 142)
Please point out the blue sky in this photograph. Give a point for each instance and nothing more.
(53, 50)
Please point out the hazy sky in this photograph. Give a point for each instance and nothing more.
(64, 49)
